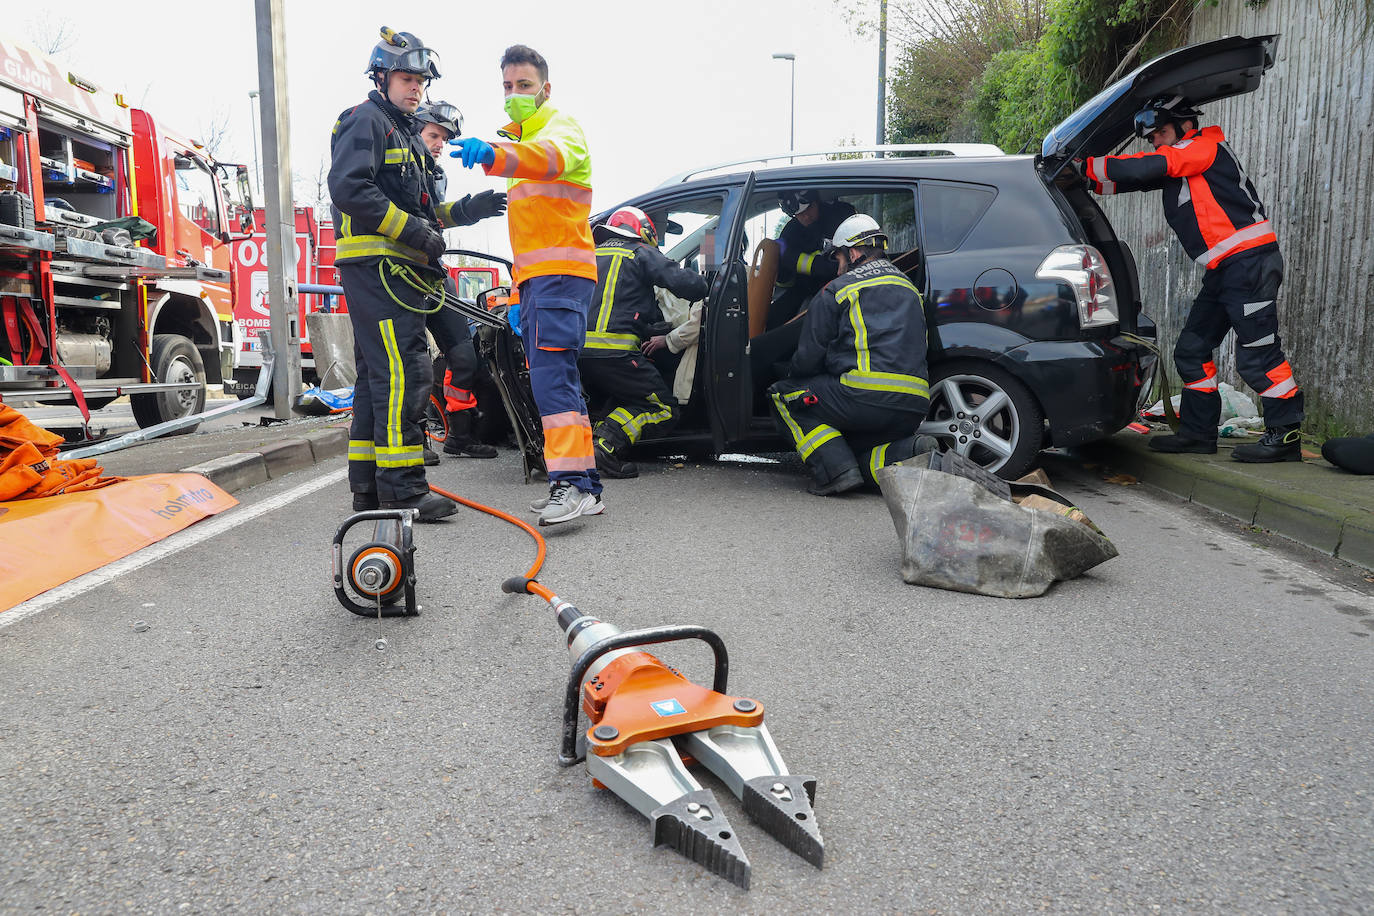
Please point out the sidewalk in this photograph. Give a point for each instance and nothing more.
(1312, 502)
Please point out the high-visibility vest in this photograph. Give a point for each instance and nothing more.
(549, 189)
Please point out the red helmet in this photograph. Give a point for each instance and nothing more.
(633, 223)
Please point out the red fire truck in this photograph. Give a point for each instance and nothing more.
(114, 248)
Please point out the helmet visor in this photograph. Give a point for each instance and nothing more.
(1149, 121)
(417, 60)
(447, 116)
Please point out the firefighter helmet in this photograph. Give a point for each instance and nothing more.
(444, 114)
(1164, 109)
(793, 202)
(632, 223)
(402, 52)
(859, 229)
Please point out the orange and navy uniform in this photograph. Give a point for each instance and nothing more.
(1220, 221)
(1209, 201)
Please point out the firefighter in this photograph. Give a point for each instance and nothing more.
(1220, 220)
(612, 367)
(440, 122)
(389, 245)
(802, 268)
(857, 381)
(548, 169)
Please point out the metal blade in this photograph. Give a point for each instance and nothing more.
(695, 825)
(781, 805)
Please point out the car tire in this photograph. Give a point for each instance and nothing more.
(1005, 441)
(174, 358)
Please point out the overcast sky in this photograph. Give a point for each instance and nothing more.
(658, 87)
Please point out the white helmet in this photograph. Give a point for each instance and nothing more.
(859, 229)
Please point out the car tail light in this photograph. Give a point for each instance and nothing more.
(1082, 268)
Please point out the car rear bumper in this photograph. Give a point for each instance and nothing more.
(1088, 389)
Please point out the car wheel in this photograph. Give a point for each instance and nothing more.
(985, 414)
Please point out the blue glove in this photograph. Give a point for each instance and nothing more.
(513, 316)
(472, 151)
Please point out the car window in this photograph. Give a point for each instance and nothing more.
(686, 228)
(196, 194)
(893, 208)
(949, 211)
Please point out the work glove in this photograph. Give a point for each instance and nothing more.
(433, 245)
(477, 207)
(472, 151)
(513, 316)
(420, 234)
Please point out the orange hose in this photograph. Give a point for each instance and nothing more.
(534, 587)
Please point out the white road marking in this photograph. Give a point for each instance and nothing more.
(189, 537)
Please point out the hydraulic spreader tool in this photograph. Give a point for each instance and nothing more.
(646, 721)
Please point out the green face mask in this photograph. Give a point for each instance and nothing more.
(520, 107)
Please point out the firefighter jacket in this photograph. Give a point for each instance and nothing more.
(624, 300)
(549, 188)
(867, 328)
(1209, 201)
(802, 257)
(381, 188)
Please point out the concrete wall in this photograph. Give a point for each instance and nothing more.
(1306, 137)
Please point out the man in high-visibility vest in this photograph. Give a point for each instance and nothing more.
(544, 159)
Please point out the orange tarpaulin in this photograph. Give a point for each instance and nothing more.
(29, 466)
(51, 540)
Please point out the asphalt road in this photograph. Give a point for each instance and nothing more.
(1186, 728)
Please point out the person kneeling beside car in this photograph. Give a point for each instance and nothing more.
(856, 389)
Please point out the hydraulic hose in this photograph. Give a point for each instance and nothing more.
(532, 587)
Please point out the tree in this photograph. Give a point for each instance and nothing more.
(214, 131)
(53, 35)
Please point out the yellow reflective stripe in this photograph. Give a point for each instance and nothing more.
(444, 212)
(376, 246)
(603, 316)
(393, 222)
(806, 443)
(886, 381)
(345, 225)
(361, 450)
(396, 386)
(892, 280)
(603, 340)
(635, 428)
(805, 261)
(402, 456)
(620, 416)
(877, 459)
(395, 155)
(856, 318)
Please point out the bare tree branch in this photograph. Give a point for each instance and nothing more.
(53, 35)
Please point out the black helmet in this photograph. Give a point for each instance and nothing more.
(445, 114)
(402, 52)
(793, 202)
(1164, 109)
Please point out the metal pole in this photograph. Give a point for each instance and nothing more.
(792, 127)
(281, 230)
(882, 75)
(257, 157)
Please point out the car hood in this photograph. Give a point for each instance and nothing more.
(1201, 73)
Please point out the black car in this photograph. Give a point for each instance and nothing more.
(1036, 332)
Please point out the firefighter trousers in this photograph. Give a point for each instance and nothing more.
(836, 429)
(553, 324)
(1241, 293)
(631, 385)
(386, 439)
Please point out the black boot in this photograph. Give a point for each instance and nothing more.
(612, 465)
(364, 502)
(431, 457)
(432, 506)
(1181, 444)
(848, 479)
(460, 440)
(1279, 443)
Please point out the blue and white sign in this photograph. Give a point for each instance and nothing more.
(668, 707)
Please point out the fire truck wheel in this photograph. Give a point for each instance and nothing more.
(174, 359)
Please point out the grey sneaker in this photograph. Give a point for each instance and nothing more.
(566, 502)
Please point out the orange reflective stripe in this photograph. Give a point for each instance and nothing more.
(540, 160)
(565, 254)
(1208, 382)
(567, 418)
(1280, 372)
(1284, 385)
(550, 190)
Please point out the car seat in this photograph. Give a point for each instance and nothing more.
(763, 274)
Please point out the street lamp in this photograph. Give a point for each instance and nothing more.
(257, 163)
(792, 106)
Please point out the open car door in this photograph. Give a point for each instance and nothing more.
(728, 388)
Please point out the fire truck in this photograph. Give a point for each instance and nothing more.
(115, 236)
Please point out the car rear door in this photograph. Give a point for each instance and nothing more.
(727, 328)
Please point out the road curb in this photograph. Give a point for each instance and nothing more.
(242, 470)
(1311, 503)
